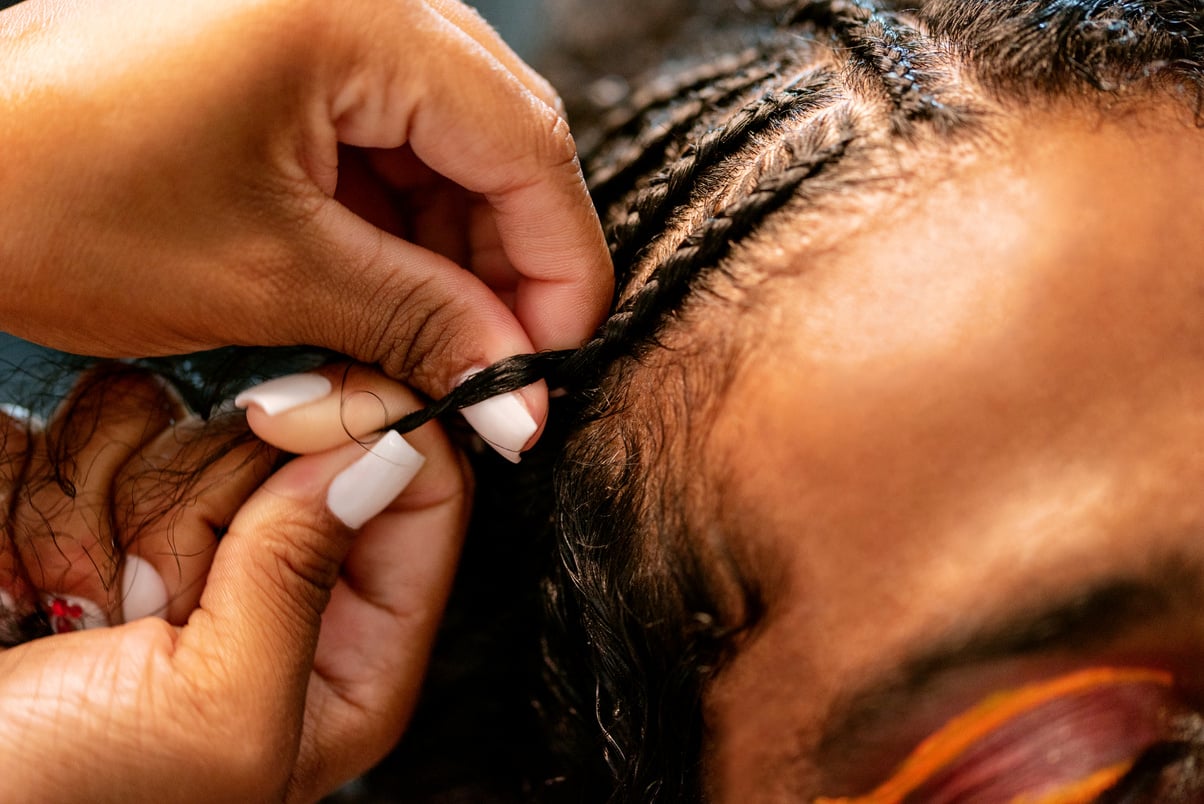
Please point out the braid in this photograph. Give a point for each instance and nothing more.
(884, 48)
(611, 173)
(672, 187)
(625, 122)
(671, 283)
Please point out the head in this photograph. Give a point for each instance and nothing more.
(899, 405)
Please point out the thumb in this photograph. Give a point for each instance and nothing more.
(252, 641)
(423, 319)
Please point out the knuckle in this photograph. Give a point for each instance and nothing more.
(559, 148)
(416, 337)
(303, 560)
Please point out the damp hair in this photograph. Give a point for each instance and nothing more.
(718, 154)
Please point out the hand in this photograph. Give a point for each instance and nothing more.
(299, 666)
(180, 176)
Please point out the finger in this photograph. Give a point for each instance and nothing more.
(271, 579)
(382, 620)
(426, 321)
(325, 408)
(170, 505)
(63, 526)
(469, 21)
(473, 121)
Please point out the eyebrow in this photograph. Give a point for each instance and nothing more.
(1089, 618)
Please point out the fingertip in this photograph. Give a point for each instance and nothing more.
(564, 315)
(285, 393)
(509, 422)
(367, 487)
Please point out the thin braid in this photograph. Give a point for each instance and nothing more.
(705, 247)
(673, 186)
(627, 120)
(883, 47)
(614, 172)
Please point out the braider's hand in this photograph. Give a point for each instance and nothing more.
(383, 178)
(292, 650)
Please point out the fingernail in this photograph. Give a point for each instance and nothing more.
(366, 487)
(70, 613)
(503, 421)
(143, 593)
(285, 393)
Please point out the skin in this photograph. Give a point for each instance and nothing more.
(985, 402)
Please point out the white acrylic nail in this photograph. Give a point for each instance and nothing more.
(143, 593)
(366, 487)
(503, 421)
(71, 613)
(285, 393)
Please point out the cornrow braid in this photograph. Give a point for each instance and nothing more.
(626, 121)
(612, 172)
(672, 187)
(884, 49)
(662, 295)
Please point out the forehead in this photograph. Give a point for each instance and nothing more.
(980, 400)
